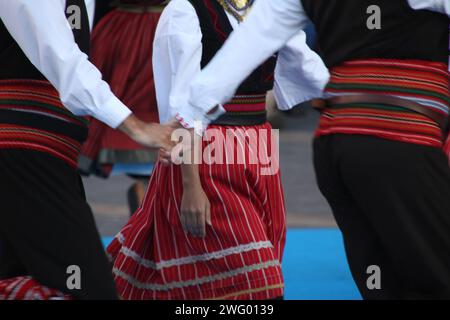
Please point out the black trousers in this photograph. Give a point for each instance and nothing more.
(46, 226)
(391, 201)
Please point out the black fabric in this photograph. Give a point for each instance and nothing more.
(391, 201)
(15, 65)
(405, 33)
(83, 34)
(216, 28)
(46, 225)
(236, 119)
(34, 120)
(102, 8)
(13, 62)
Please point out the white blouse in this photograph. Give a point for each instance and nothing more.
(269, 26)
(41, 29)
(300, 74)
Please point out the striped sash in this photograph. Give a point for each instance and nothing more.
(33, 117)
(426, 83)
(244, 110)
(447, 144)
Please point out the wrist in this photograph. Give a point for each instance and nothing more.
(131, 126)
(191, 178)
(192, 182)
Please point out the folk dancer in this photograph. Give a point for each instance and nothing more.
(122, 45)
(378, 147)
(47, 231)
(215, 229)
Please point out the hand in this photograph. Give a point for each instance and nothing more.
(186, 150)
(150, 135)
(165, 156)
(195, 210)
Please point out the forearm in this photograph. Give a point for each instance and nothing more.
(195, 212)
(300, 74)
(189, 167)
(268, 27)
(191, 175)
(132, 126)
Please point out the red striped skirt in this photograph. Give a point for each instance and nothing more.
(122, 46)
(26, 288)
(240, 257)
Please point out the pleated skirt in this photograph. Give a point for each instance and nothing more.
(122, 47)
(240, 256)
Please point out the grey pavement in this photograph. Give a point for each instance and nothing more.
(306, 207)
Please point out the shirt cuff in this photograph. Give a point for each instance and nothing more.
(196, 118)
(113, 113)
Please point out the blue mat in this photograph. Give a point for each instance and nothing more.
(315, 267)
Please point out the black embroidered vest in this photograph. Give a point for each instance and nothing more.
(13, 62)
(32, 115)
(216, 28)
(343, 32)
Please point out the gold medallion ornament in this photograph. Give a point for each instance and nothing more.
(237, 8)
(240, 4)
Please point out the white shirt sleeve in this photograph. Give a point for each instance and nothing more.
(267, 28)
(90, 6)
(177, 54)
(442, 6)
(300, 74)
(44, 34)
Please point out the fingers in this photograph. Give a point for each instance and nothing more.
(165, 145)
(159, 136)
(194, 222)
(166, 142)
(174, 123)
(165, 162)
(184, 221)
(165, 157)
(200, 228)
(208, 213)
(188, 221)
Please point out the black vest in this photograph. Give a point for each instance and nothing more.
(405, 33)
(13, 62)
(216, 28)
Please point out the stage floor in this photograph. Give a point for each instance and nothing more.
(315, 267)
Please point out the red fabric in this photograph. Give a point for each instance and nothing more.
(122, 49)
(35, 96)
(26, 288)
(215, 18)
(240, 257)
(247, 103)
(424, 82)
